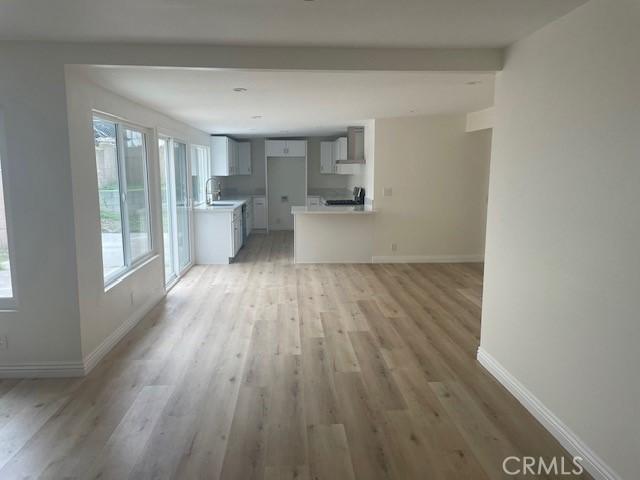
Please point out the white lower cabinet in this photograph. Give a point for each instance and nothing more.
(249, 217)
(218, 235)
(259, 212)
(236, 228)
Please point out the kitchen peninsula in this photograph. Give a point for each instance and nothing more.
(333, 234)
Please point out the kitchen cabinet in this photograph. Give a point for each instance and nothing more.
(224, 156)
(249, 223)
(331, 153)
(275, 148)
(236, 229)
(327, 161)
(286, 148)
(340, 150)
(296, 148)
(244, 158)
(349, 168)
(313, 201)
(218, 235)
(259, 212)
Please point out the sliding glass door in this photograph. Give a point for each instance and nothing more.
(181, 185)
(167, 214)
(176, 211)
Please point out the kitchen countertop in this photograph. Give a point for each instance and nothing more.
(334, 209)
(235, 203)
(330, 193)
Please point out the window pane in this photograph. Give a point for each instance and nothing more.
(109, 196)
(135, 162)
(6, 290)
(199, 173)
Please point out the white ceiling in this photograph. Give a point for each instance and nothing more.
(385, 23)
(292, 102)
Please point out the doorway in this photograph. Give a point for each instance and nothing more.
(287, 183)
(176, 212)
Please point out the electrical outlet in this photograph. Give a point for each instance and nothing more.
(394, 247)
(4, 342)
(387, 192)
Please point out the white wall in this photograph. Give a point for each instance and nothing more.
(438, 175)
(45, 328)
(562, 272)
(102, 313)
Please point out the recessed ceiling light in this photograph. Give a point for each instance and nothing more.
(255, 117)
(239, 89)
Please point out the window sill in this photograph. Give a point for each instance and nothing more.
(8, 305)
(140, 264)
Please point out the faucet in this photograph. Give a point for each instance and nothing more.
(209, 194)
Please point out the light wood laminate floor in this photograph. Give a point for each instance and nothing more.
(267, 370)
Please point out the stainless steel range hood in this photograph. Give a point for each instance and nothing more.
(355, 145)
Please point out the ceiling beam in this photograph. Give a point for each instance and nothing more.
(276, 58)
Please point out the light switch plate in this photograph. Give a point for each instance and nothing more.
(387, 192)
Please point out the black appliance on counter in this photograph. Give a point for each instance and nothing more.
(358, 198)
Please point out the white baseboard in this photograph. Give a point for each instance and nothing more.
(428, 259)
(332, 262)
(42, 370)
(91, 360)
(593, 464)
(78, 369)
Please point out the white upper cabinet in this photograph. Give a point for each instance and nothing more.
(340, 149)
(224, 156)
(275, 148)
(244, 158)
(233, 159)
(286, 148)
(331, 153)
(327, 161)
(296, 148)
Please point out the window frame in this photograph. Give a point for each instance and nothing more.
(8, 304)
(129, 263)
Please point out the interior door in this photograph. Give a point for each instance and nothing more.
(182, 207)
